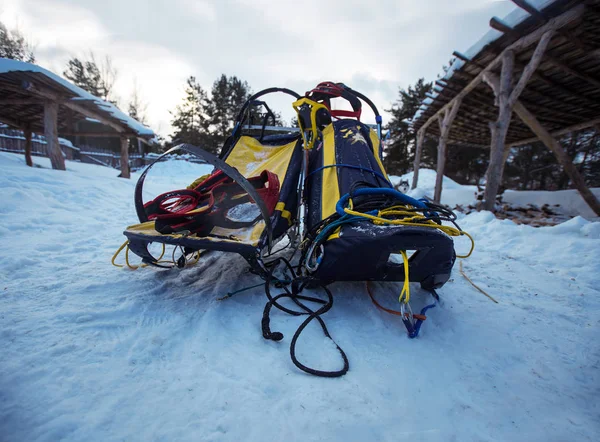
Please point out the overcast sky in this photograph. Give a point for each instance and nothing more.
(373, 46)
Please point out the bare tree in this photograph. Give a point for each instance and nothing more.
(108, 74)
(137, 108)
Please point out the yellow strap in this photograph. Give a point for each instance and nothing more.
(314, 107)
(405, 293)
(285, 213)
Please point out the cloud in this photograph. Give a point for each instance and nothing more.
(372, 46)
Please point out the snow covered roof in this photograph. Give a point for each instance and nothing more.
(556, 90)
(20, 81)
(515, 17)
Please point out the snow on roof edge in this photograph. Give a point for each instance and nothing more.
(8, 65)
(512, 19)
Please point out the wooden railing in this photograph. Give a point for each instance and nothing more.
(14, 141)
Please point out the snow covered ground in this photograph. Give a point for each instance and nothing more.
(92, 352)
(570, 201)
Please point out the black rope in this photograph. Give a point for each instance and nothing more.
(297, 285)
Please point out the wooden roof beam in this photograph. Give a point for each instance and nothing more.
(525, 5)
(523, 42)
(487, 108)
(499, 25)
(14, 123)
(97, 134)
(566, 130)
(20, 101)
(34, 89)
(485, 101)
(467, 76)
(573, 72)
(91, 114)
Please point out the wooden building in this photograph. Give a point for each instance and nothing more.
(534, 77)
(36, 100)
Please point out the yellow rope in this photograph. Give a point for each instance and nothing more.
(405, 293)
(473, 284)
(117, 254)
(132, 267)
(413, 219)
(197, 258)
(125, 246)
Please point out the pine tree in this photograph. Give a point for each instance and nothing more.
(14, 46)
(228, 95)
(400, 150)
(96, 78)
(137, 107)
(190, 118)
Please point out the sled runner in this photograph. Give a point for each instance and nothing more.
(324, 186)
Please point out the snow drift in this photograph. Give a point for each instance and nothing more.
(92, 352)
(569, 201)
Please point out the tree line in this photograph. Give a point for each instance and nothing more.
(205, 118)
(529, 167)
(95, 76)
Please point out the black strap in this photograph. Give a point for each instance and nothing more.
(298, 284)
(219, 164)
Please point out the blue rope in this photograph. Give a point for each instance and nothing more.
(350, 166)
(346, 219)
(417, 327)
(343, 201)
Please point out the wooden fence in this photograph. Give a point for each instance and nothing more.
(14, 141)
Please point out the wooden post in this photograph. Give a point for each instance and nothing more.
(445, 125)
(505, 157)
(563, 158)
(417, 162)
(441, 164)
(505, 100)
(141, 152)
(125, 158)
(27, 133)
(499, 129)
(51, 133)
